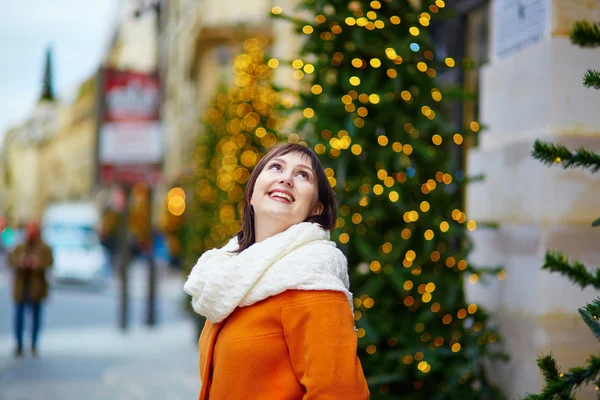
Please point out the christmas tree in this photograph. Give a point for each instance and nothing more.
(48, 87)
(374, 111)
(564, 385)
(240, 127)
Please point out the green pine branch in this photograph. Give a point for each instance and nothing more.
(585, 34)
(577, 272)
(590, 313)
(551, 154)
(562, 386)
(591, 79)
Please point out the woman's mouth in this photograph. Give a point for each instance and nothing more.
(281, 196)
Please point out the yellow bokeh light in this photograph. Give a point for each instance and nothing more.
(273, 63)
(440, 3)
(376, 5)
(297, 64)
(354, 80)
(428, 234)
(410, 255)
(374, 98)
(450, 62)
(371, 349)
(471, 225)
(474, 126)
(458, 138)
(397, 147)
(309, 68)
(320, 19)
(413, 30)
(316, 89)
(375, 266)
(421, 66)
(436, 139)
(308, 113)
(362, 111)
(473, 278)
(406, 96)
(406, 233)
(356, 149)
(276, 10)
(350, 21)
(395, 20)
(320, 149)
(408, 285)
(444, 226)
(344, 238)
(357, 62)
(375, 62)
(424, 206)
(390, 53)
(435, 307)
(391, 73)
(378, 189)
(472, 309)
(307, 29)
(382, 140)
(394, 196)
(176, 191)
(502, 275)
(408, 149)
(356, 218)
(455, 346)
(360, 333)
(372, 15)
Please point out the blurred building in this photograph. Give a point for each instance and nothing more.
(20, 159)
(531, 87)
(66, 167)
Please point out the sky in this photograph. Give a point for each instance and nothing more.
(78, 32)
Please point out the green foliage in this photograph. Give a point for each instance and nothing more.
(563, 386)
(552, 154)
(585, 34)
(391, 155)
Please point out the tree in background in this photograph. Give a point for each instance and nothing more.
(559, 385)
(48, 86)
(374, 112)
(240, 126)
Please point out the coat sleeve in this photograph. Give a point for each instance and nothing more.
(45, 256)
(13, 256)
(319, 332)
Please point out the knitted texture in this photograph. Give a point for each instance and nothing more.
(301, 258)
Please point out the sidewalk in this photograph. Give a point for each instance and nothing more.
(105, 364)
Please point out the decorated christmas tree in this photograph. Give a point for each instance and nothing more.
(374, 111)
(240, 125)
(564, 385)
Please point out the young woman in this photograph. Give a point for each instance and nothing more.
(279, 313)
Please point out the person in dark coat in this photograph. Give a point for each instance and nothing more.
(29, 262)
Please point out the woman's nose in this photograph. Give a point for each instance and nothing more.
(286, 179)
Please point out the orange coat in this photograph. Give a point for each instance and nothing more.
(292, 346)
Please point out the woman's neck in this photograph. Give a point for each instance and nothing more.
(263, 232)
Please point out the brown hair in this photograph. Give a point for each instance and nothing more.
(325, 194)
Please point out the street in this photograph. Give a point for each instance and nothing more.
(83, 353)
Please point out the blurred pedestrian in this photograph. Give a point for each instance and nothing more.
(279, 312)
(29, 262)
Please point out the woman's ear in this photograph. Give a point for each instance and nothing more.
(318, 210)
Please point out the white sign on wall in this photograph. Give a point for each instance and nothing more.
(517, 24)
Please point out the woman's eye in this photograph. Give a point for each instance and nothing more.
(275, 166)
(303, 174)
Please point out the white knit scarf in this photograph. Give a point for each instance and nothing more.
(302, 257)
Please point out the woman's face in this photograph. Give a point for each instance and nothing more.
(285, 192)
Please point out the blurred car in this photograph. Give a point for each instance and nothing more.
(71, 230)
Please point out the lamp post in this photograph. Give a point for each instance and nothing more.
(153, 6)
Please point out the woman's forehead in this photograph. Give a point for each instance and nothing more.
(295, 158)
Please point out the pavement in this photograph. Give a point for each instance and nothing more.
(105, 363)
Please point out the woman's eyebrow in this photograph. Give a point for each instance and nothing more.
(281, 160)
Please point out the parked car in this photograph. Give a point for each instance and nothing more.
(71, 230)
